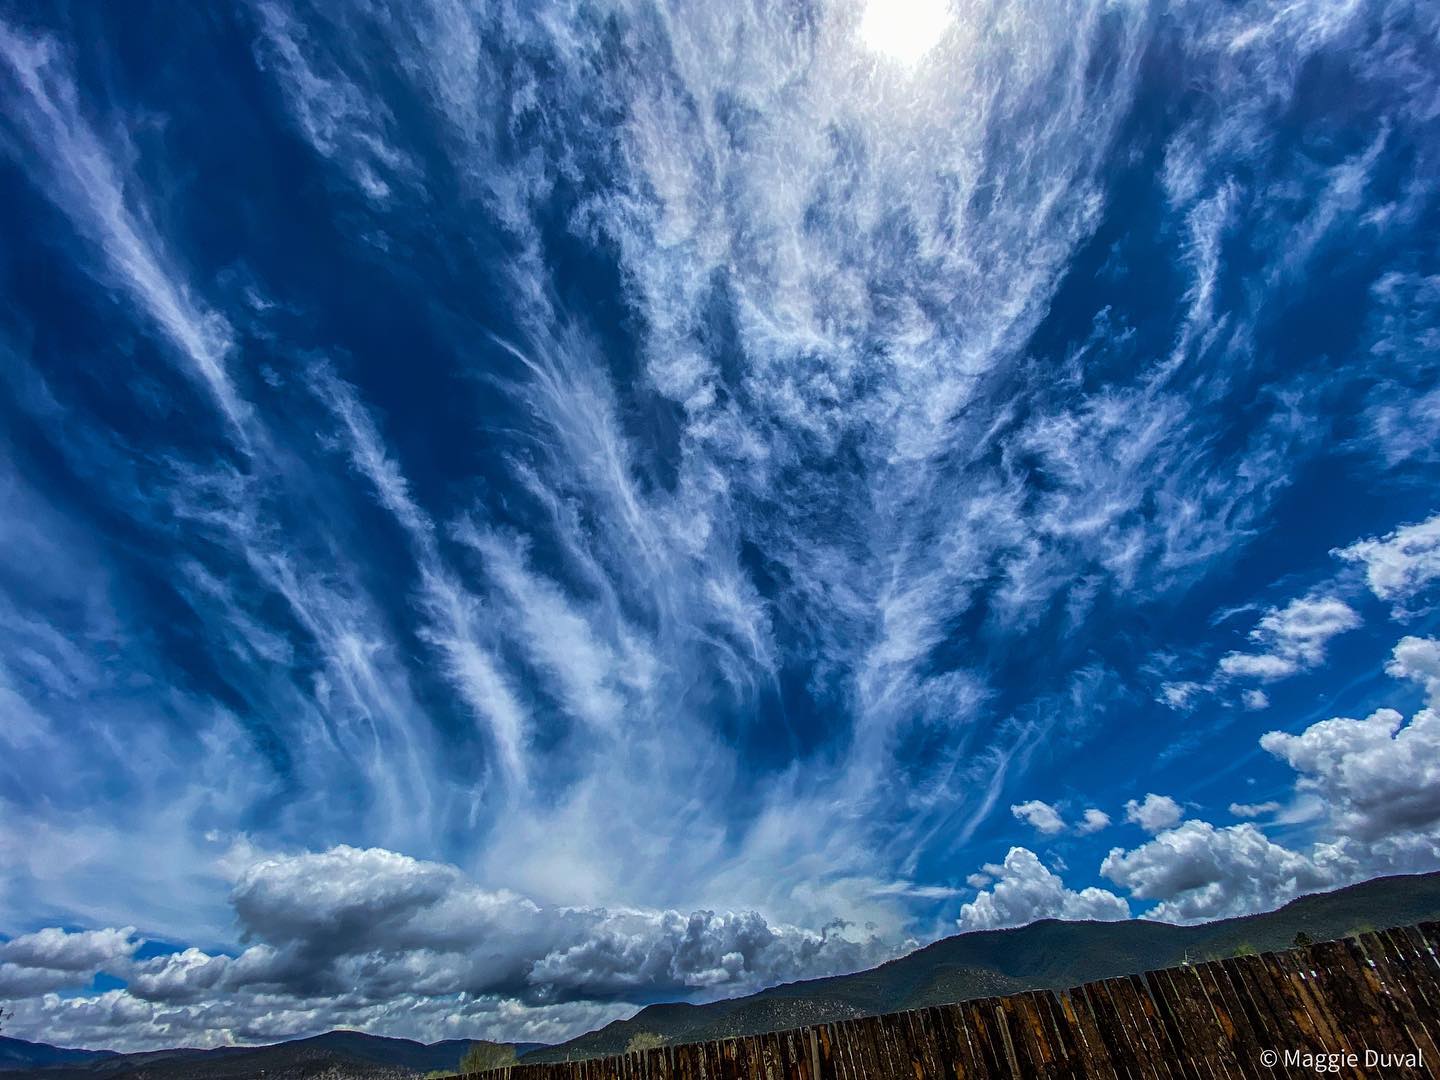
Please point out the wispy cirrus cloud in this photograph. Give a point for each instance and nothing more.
(83, 178)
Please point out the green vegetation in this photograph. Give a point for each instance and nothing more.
(484, 1055)
(642, 1041)
(1245, 949)
(1302, 940)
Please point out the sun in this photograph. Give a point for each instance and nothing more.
(904, 30)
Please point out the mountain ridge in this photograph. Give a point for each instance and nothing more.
(358, 1054)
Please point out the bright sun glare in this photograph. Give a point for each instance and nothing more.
(904, 30)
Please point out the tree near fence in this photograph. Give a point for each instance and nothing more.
(484, 1055)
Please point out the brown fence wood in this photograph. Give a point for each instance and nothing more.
(1376, 993)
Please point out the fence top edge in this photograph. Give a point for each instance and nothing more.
(1370, 939)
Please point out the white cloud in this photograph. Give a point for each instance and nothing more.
(339, 913)
(1292, 638)
(1025, 890)
(84, 951)
(55, 959)
(1400, 566)
(340, 119)
(1040, 816)
(1180, 695)
(1198, 871)
(1254, 810)
(1418, 659)
(1302, 627)
(364, 933)
(1255, 700)
(1092, 821)
(455, 616)
(1369, 789)
(1378, 778)
(1257, 666)
(19, 980)
(1154, 813)
(1377, 775)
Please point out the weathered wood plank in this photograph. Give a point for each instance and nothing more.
(1242, 1051)
(1261, 1024)
(1413, 975)
(1168, 1029)
(1095, 1057)
(1113, 1035)
(1298, 977)
(1379, 1024)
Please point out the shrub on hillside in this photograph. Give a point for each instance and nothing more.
(643, 1040)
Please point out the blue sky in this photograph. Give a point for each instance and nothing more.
(513, 513)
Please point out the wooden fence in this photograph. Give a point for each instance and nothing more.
(1370, 1004)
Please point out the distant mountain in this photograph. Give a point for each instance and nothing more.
(351, 1054)
(19, 1054)
(1044, 955)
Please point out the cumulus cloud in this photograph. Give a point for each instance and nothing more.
(1153, 813)
(1040, 816)
(360, 932)
(71, 950)
(1024, 890)
(21, 980)
(1399, 566)
(328, 917)
(56, 959)
(1198, 871)
(1368, 788)
(1418, 659)
(1047, 820)
(1378, 778)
